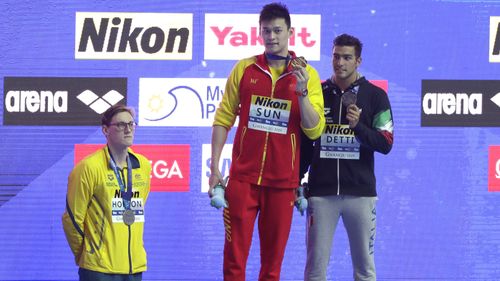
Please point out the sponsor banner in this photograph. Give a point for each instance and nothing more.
(460, 103)
(60, 100)
(224, 163)
(133, 36)
(236, 36)
(494, 53)
(383, 84)
(494, 168)
(179, 101)
(170, 163)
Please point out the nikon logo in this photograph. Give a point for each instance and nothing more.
(494, 39)
(133, 36)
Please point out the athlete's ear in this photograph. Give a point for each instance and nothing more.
(105, 130)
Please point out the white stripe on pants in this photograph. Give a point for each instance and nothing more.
(359, 218)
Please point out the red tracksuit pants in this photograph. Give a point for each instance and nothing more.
(275, 209)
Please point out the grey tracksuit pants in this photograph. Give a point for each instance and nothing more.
(359, 218)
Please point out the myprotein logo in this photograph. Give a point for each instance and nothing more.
(133, 36)
(179, 101)
(169, 163)
(224, 163)
(494, 54)
(494, 168)
(460, 103)
(235, 36)
(60, 100)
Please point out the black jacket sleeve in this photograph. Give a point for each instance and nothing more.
(306, 153)
(378, 136)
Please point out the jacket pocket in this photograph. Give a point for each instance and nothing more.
(242, 138)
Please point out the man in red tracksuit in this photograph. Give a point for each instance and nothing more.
(275, 99)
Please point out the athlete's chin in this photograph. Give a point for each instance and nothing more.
(272, 49)
(341, 74)
(128, 141)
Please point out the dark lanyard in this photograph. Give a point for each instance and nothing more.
(276, 57)
(126, 194)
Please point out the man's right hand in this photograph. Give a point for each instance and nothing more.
(214, 179)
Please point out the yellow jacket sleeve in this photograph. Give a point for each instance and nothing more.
(229, 106)
(316, 99)
(79, 194)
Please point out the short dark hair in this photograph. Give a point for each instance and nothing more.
(349, 40)
(108, 115)
(275, 11)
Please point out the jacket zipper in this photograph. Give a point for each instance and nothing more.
(129, 234)
(261, 172)
(292, 137)
(338, 159)
(129, 249)
(264, 153)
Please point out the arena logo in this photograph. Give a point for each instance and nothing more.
(100, 104)
(179, 101)
(460, 103)
(453, 103)
(235, 36)
(494, 54)
(169, 163)
(224, 163)
(60, 100)
(34, 101)
(133, 36)
(494, 168)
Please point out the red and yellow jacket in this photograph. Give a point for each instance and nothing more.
(267, 141)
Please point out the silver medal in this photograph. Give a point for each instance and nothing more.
(128, 217)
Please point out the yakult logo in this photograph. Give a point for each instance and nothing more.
(235, 36)
(138, 36)
(494, 168)
(169, 163)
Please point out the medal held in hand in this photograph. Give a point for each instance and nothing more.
(298, 61)
(128, 217)
(348, 98)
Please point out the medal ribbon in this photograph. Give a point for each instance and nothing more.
(277, 57)
(126, 194)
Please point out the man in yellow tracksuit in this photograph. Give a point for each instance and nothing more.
(104, 217)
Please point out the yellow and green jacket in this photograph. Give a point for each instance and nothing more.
(92, 222)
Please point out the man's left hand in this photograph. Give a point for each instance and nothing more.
(353, 114)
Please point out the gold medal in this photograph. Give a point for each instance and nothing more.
(298, 62)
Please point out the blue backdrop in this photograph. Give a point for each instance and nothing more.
(436, 218)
